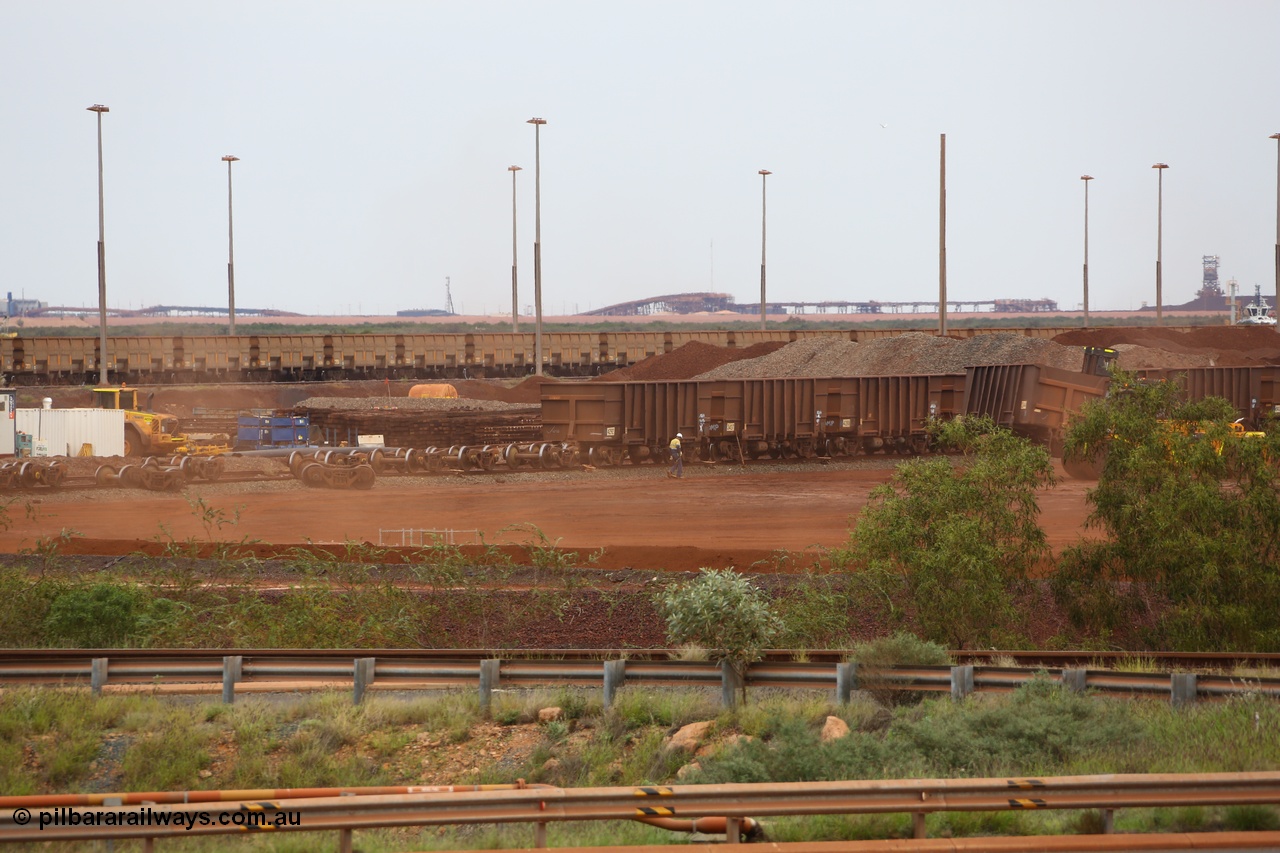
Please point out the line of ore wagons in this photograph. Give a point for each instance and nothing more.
(753, 418)
(240, 358)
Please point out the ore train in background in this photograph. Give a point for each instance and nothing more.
(165, 359)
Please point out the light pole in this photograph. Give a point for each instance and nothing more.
(515, 292)
(1086, 179)
(231, 254)
(1276, 137)
(764, 177)
(942, 235)
(102, 259)
(537, 239)
(1159, 167)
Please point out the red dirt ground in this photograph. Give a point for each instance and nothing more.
(714, 517)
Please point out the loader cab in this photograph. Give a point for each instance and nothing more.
(116, 398)
(1098, 360)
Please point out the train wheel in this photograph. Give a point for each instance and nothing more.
(54, 474)
(214, 468)
(105, 475)
(131, 476)
(364, 478)
(312, 474)
(546, 457)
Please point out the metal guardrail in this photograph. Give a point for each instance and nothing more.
(1051, 659)
(734, 802)
(209, 671)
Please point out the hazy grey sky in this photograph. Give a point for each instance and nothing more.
(375, 139)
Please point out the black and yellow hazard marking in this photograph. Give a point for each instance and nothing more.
(1027, 804)
(653, 791)
(655, 811)
(259, 807)
(1025, 783)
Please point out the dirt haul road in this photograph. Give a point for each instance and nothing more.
(713, 517)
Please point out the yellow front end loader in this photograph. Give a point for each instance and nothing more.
(148, 433)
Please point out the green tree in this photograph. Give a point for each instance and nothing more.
(1191, 514)
(723, 612)
(955, 536)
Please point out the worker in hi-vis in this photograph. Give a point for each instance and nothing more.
(677, 461)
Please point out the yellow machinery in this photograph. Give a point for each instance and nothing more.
(149, 433)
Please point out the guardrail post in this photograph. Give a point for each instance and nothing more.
(98, 674)
(363, 676)
(846, 681)
(232, 667)
(730, 684)
(540, 834)
(918, 828)
(615, 674)
(733, 830)
(1075, 679)
(1108, 821)
(346, 843)
(961, 681)
(489, 675)
(1182, 688)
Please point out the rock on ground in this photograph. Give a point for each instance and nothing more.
(689, 737)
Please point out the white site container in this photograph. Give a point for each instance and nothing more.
(8, 422)
(67, 431)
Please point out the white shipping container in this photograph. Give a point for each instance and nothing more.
(8, 421)
(67, 431)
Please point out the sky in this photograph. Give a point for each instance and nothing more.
(375, 138)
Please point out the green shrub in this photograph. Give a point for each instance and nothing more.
(793, 752)
(816, 611)
(900, 649)
(1190, 513)
(723, 612)
(101, 616)
(946, 542)
(1038, 730)
(1251, 819)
